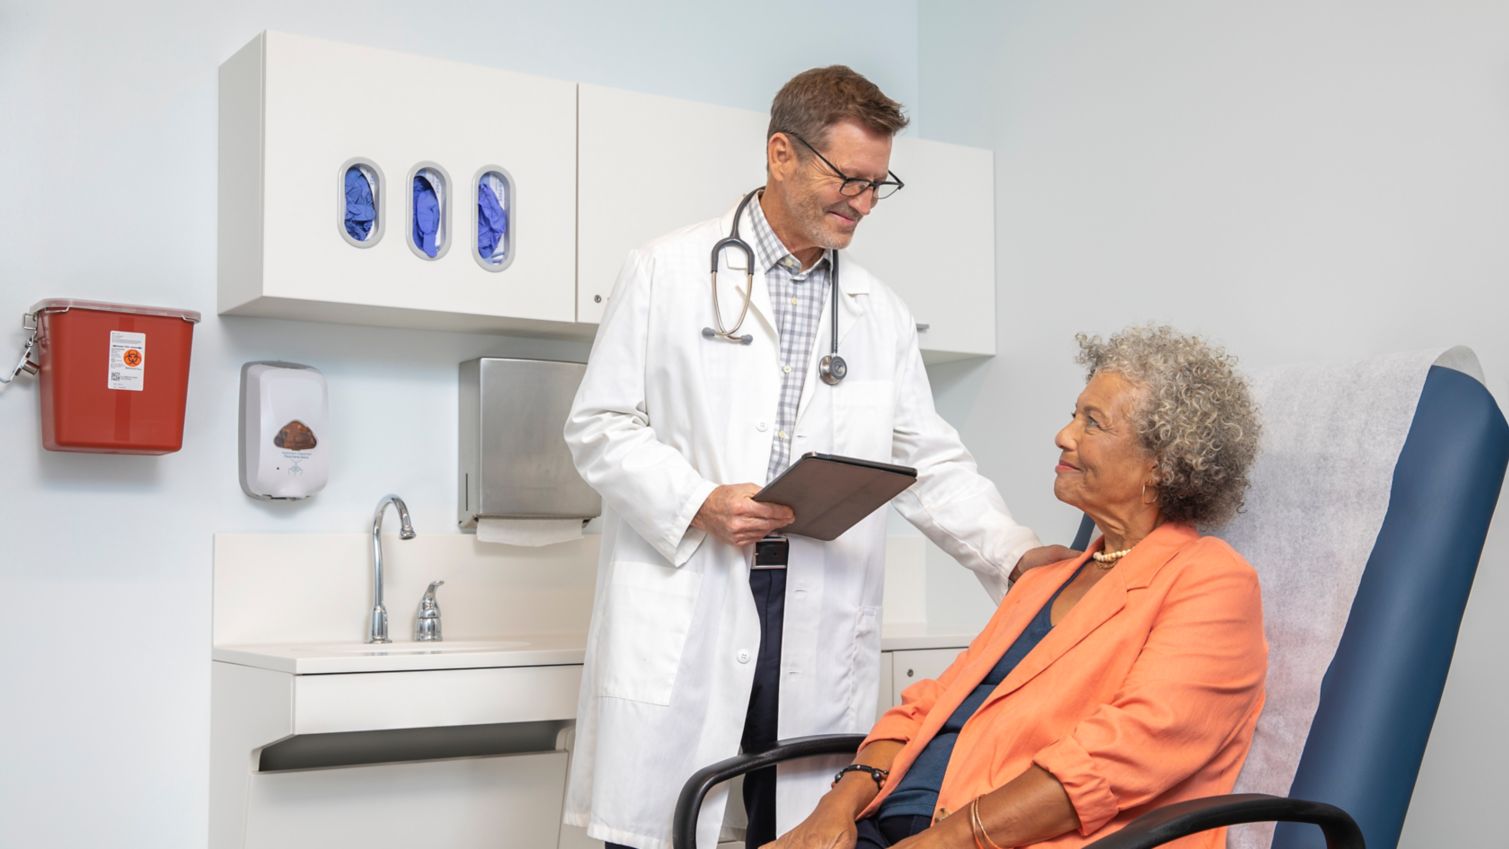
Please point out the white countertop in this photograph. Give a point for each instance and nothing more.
(503, 651)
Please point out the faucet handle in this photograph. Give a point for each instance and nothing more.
(427, 621)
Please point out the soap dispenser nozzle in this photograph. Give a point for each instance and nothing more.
(427, 621)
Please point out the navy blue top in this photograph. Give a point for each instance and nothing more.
(917, 794)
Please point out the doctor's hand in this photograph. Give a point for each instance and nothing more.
(1042, 556)
(730, 515)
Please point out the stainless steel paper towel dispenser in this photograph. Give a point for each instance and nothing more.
(514, 461)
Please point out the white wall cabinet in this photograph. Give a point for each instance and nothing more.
(593, 172)
(934, 243)
(294, 111)
(649, 165)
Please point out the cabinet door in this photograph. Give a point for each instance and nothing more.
(458, 803)
(648, 165)
(934, 243)
(909, 667)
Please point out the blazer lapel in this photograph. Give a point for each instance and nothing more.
(1099, 605)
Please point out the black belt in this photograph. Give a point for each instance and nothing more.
(770, 553)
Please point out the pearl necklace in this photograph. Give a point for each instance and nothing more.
(1107, 559)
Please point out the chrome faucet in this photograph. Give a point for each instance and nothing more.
(427, 620)
(378, 632)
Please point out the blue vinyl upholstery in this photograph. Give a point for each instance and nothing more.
(1380, 695)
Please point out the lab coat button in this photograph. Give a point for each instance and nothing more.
(743, 655)
(760, 426)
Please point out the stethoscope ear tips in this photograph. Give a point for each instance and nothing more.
(709, 333)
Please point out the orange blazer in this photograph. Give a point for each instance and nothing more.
(1145, 694)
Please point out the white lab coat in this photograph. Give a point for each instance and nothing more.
(663, 416)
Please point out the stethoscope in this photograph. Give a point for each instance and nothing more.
(831, 368)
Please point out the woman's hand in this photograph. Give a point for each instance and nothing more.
(827, 828)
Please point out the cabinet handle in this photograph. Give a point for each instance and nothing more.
(922, 327)
(597, 299)
(911, 672)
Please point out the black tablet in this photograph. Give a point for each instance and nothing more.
(830, 494)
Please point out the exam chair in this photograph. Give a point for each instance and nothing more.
(1378, 691)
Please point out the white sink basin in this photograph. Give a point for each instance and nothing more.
(302, 658)
(381, 649)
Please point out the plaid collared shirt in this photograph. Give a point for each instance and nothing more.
(797, 298)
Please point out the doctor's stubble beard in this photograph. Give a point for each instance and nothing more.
(813, 215)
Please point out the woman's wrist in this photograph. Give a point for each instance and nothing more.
(852, 793)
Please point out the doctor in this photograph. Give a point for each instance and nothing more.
(706, 639)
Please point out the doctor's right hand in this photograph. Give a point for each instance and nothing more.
(731, 515)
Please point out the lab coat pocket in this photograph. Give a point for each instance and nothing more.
(866, 417)
(863, 671)
(649, 609)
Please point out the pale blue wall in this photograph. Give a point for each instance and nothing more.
(107, 127)
(1300, 180)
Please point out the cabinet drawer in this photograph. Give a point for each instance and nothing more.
(462, 803)
(376, 701)
(909, 667)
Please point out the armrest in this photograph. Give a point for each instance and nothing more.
(1185, 818)
(689, 803)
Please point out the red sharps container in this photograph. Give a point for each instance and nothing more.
(114, 377)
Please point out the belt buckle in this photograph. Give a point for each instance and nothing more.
(771, 553)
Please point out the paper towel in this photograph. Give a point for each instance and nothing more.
(529, 532)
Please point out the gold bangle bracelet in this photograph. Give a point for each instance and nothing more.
(977, 827)
(974, 826)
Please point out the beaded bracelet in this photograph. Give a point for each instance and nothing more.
(875, 772)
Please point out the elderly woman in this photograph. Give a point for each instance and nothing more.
(1104, 686)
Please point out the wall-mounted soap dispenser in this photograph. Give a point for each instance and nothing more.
(285, 410)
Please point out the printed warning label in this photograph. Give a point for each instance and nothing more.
(128, 361)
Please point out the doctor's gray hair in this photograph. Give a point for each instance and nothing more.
(1194, 414)
(812, 101)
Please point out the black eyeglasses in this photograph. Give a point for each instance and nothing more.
(853, 187)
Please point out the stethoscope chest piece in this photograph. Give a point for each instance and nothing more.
(832, 369)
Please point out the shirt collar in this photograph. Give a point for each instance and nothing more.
(770, 252)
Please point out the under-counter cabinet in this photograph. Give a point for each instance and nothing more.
(367, 186)
(907, 668)
(459, 758)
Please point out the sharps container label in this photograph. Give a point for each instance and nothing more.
(128, 361)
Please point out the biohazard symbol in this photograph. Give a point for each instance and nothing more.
(132, 357)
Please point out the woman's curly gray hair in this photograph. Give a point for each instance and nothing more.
(1194, 414)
